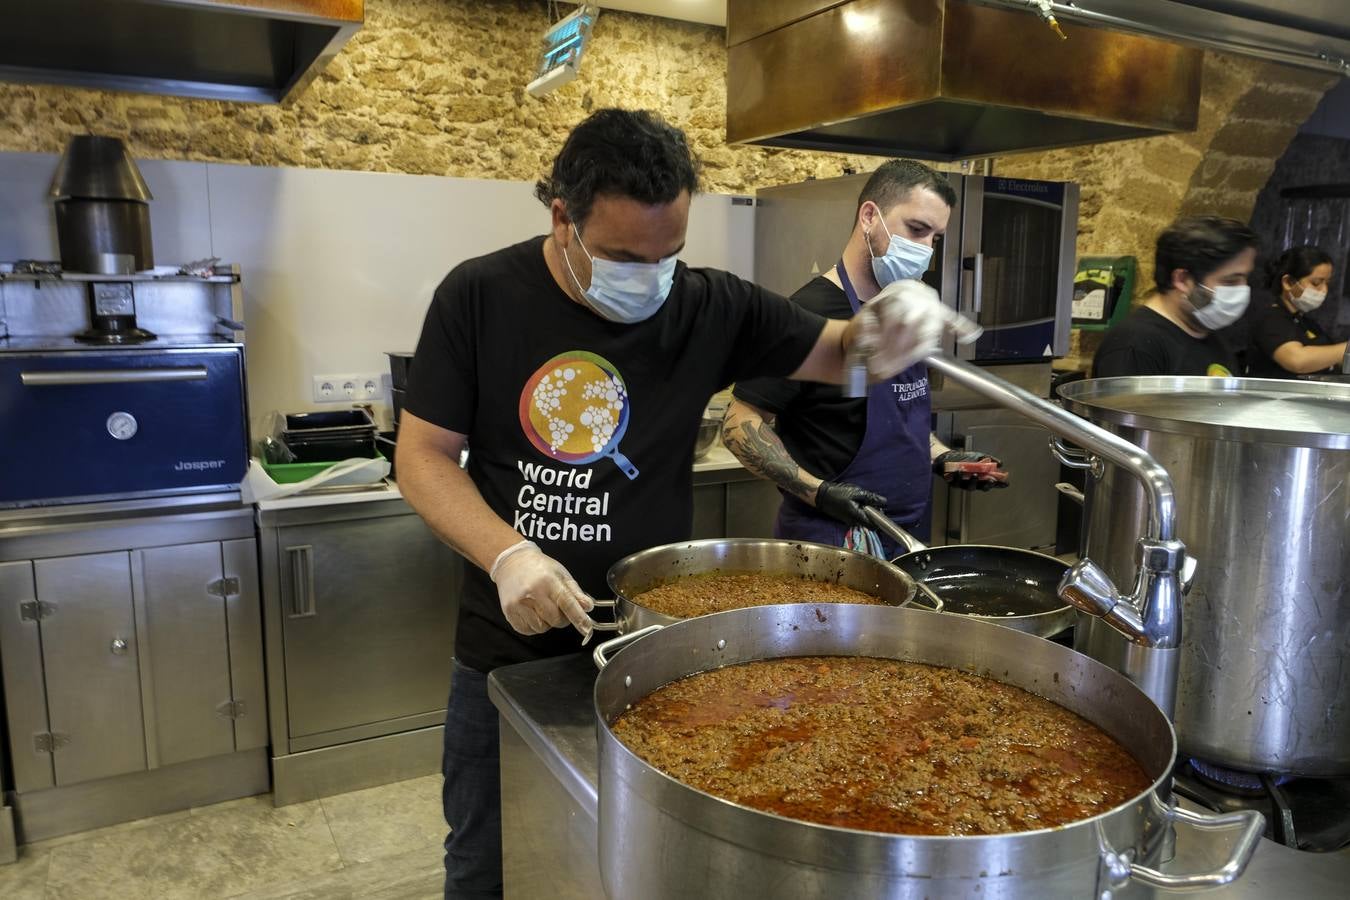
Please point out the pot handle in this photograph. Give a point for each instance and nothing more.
(1252, 824)
(604, 626)
(600, 656)
(1075, 458)
(935, 603)
(882, 522)
(1070, 491)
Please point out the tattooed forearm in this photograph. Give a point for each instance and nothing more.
(754, 442)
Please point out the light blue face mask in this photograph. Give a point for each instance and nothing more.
(903, 258)
(626, 292)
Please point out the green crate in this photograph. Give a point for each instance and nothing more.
(290, 473)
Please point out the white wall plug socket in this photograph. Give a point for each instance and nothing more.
(348, 387)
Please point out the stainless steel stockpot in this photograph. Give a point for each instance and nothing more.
(1261, 469)
(660, 838)
(650, 568)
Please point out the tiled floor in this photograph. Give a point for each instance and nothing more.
(383, 843)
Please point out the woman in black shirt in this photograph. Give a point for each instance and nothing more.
(1285, 341)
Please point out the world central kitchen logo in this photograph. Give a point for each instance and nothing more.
(198, 465)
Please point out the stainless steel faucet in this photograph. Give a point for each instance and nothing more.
(1150, 615)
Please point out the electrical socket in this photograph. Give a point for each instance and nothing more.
(346, 388)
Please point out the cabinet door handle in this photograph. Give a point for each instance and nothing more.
(112, 376)
(302, 581)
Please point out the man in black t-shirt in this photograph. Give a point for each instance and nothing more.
(1200, 271)
(577, 366)
(828, 452)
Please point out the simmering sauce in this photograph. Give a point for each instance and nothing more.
(881, 745)
(697, 595)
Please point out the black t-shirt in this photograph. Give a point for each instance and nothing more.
(1147, 343)
(1273, 326)
(581, 431)
(826, 440)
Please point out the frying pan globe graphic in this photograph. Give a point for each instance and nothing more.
(575, 409)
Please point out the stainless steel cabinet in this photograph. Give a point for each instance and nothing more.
(360, 600)
(732, 503)
(124, 661)
(131, 658)
(1025, 513)
(89, 661)
(200, 609)
(367, 623)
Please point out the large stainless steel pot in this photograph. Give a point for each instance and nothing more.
(650, 568)
(662, 839)
(1261, 469)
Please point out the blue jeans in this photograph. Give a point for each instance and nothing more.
(471, 795)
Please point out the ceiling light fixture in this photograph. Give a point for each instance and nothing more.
(564, 43)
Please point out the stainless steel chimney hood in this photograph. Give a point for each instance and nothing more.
(253, 50)
(944, 79)
(1311, 34)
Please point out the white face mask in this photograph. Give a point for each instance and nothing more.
(1310, 299)
(903, 258)
(1220, 306)
(626, 292)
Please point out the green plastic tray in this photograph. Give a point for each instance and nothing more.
(290, 473)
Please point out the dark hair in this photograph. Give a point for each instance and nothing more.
(1199, 245)
(893, 180)
(630, 152)
(1297, 263)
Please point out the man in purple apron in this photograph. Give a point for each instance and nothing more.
(830, 454)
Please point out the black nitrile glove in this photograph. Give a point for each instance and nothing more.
(993, 477)
(845, 501)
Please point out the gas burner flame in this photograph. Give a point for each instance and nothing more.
(1233, 779)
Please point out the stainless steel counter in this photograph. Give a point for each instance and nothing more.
(549, 776)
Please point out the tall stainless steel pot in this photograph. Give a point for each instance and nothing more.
(1262, 475)
(662, 839)
(655, 566)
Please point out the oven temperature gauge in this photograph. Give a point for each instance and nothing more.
(122, 426)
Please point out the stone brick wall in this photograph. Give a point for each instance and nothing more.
(1131, 190)
(437, 87)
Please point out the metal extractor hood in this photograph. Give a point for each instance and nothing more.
(944, 79)
(253, 50)
(1311, 34)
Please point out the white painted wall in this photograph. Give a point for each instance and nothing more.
(338, 267)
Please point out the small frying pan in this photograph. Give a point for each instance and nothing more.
(1015, 588)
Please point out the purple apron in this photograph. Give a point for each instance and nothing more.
(892, 460)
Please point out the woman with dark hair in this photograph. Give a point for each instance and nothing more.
(1285, 342)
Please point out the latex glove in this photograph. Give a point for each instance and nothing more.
(971, 471)
(537, 593)
(903, 324)
(844, 502)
